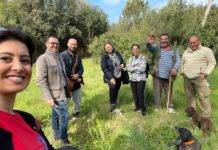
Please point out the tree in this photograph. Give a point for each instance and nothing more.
(41, 18)
(134, 11)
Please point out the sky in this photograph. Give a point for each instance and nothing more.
(113, 8)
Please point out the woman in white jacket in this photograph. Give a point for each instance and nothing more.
(136, 67)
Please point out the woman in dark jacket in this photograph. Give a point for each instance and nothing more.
(112, 65)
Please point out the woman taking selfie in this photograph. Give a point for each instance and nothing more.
(18, 129)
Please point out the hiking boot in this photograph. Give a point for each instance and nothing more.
(65, 142)
(76, 115)
(112, 107)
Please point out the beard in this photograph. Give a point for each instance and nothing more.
(73, 49)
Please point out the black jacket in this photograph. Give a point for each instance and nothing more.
(6, 139)
(68, 61)
(108, 67)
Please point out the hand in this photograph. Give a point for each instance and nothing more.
(202, 76)
(150, 39)
(113, 81)
(173, 71)
(50, 102)
(74, 76)
(122, 66)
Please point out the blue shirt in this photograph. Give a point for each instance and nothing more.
(168, 60)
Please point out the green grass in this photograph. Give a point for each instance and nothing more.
(98, 129)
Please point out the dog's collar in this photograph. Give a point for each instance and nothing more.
(189, 142)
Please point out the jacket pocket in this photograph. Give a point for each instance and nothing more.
(53, 69)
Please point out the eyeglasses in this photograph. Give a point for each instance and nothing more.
(53, 43)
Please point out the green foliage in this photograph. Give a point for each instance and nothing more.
(178, 19)
(41, 18)
(134, 11)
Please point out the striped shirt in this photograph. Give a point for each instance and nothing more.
(196, 62)
(168, 60)
(136, 67)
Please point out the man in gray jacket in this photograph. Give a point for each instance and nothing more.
(50, 77)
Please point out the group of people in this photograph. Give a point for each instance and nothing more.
(196, 64)
(54, 70)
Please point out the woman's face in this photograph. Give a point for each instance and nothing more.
(135, 50)
(15, 67)
(108, 48)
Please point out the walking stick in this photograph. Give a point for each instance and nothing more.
(169, 90)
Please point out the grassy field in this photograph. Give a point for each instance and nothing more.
(97, 129)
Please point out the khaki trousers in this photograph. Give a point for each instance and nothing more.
(198, 88)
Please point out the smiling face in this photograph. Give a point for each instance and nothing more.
(194, 43)
(164, 41)
(108, 48)
(52, 44)
(15, 66)
(72, 44)
(135, 50)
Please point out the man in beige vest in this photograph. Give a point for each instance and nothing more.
(197, 63)
(50, 77)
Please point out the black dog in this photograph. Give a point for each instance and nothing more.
(203, 123)
(186, 141)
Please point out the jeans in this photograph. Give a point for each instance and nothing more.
(60, 120)
(77, 97)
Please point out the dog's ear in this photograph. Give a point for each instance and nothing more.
(185, 134)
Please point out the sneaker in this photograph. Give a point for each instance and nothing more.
(171, 111)
(144, 113)
(156, 109)
(136, 109)
(76, 115)
(112, 107)
(65, 142)
(73, 119)
(117, 112)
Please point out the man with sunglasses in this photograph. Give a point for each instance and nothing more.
(197, 63)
